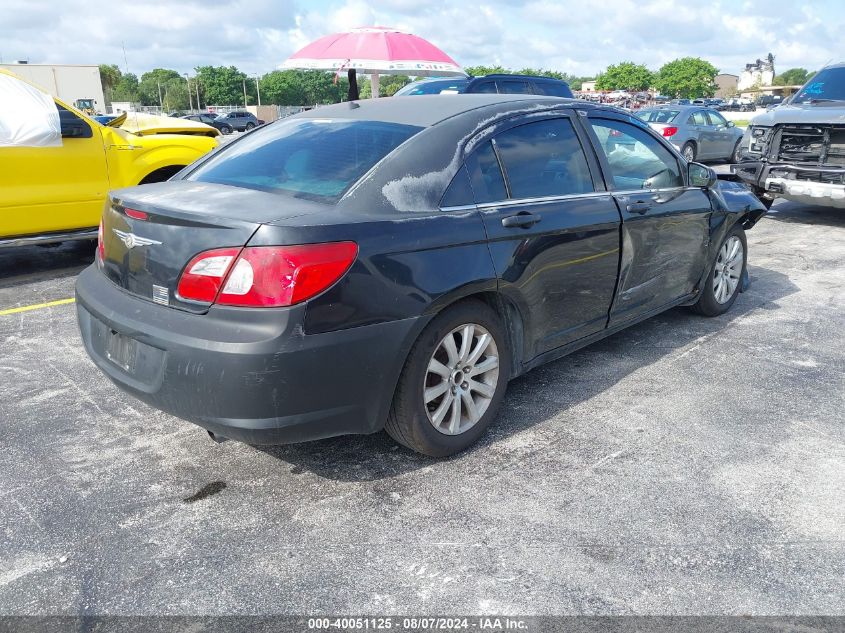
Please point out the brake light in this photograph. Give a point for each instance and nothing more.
(135, 214)
(101, 247)
(670, 131)
(204, 275)
(265, 276)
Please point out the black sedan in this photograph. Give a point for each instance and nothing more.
(392, 264)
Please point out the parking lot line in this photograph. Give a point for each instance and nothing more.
(36, 306)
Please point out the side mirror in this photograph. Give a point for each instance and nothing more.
(75, 128)
(731, 124)
(701, 175)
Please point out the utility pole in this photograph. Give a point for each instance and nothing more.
(190, 104)
(257, 90)
(244, 82)
(197, 85)
(160, 102)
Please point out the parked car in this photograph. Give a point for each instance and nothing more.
(769, 101)
(239, 120)
(501, 84)
(679, 102)
(796, 151)
(738, 104)
(396, 264)
(212, 120)
(57, 163)
(699, 133)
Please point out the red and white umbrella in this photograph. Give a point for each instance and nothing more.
(375, 50)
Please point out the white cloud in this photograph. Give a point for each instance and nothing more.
(576, 37)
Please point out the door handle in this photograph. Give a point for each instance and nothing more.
(638, 207)
(522, 220)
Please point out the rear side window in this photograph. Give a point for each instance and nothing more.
(657, 116)
(317, 159)
(636, 159)
(510, 87)
(697, 118)
(544, 159)
(488, 185)
(487, 87)
(553, 89)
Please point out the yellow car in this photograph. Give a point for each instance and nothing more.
(56, 164)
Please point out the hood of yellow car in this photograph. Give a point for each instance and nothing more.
(143, 124)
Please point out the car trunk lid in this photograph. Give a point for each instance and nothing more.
(150, 233)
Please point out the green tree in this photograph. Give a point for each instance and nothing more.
(625, 76)
(224, 85)
(126, 89)
(303, 87)
(109, 76)
(153, 85)
(388, 85)
(793, 77)
(688, 77)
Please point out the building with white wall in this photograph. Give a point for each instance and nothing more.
(65, 81)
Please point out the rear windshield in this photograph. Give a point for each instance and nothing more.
(317, 159)
(827, 85)
(658, 116)
(433, 87)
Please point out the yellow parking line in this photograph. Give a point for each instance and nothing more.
(36, 306)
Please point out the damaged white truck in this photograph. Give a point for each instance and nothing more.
(797, 150)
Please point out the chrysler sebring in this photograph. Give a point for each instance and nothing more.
(393, 263)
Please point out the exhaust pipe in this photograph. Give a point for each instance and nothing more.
(217, 438)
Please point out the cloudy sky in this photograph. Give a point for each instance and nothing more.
(580, 37)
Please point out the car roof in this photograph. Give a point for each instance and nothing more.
(428, 110)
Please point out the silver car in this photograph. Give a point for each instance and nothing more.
(698, 133)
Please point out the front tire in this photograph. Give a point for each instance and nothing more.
(735, 155)
(249, 126)
(724, 281)
(453, 382)
(226, 129)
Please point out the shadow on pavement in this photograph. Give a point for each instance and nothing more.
(374, 457)
(792, 212)
(28, 264)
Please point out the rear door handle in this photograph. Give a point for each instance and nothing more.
(639, 207)
(522, 220)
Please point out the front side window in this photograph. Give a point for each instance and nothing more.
(317, 159)
(487, 87)
(544, 159)
(636, 159)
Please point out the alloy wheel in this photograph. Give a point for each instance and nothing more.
(689, 153)
(728, 269)
(461, 379)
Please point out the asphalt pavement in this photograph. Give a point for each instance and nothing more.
(684, 466)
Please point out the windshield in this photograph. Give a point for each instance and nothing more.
(433, 87)
(317, 159)
(658, 116)
(827, 85)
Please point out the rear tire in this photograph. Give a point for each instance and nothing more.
(724, 280)
(688, 151)
(449, 393)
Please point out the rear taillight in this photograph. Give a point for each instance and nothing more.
(670, 131)
(265, 276)
(203, 276)
(101, 247)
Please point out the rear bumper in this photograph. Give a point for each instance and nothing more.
(249, 375)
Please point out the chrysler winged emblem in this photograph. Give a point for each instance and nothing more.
(130, 240)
